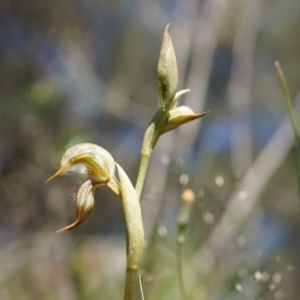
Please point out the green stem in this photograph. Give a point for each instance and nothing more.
(187, 200)
(131, 276)
(167, 86)
(135, 232)
(179, 269)
(151, 137)
(292, 118)
(133, 243)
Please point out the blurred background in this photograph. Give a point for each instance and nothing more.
(85, 71)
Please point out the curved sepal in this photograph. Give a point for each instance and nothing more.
(84, 204)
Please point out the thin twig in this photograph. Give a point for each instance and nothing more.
(141, 287)
(241, 81)
(253, 182)
(187, 200)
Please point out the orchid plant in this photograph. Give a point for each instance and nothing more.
(99, 167)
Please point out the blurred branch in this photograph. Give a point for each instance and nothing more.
(240, 85)
(205, 43)
(184, 30)
(81, 74)
(253, 183)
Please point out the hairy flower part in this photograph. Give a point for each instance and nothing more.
(84, 204)
(181, 115)
(167, 72)
(87, 159)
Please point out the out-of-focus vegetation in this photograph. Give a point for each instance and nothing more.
(85, 71)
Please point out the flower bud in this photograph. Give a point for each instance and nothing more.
(167, 71)
(181, 115)
(84, 204)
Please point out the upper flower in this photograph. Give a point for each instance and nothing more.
(167, 75)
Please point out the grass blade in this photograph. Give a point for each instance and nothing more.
(292, 118)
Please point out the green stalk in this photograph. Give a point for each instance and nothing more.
(167, 75)
(179, 270)
(151, 137)
(133, 239)
(135, 232)
(292, 118)
(167, 87)
(187, 200)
